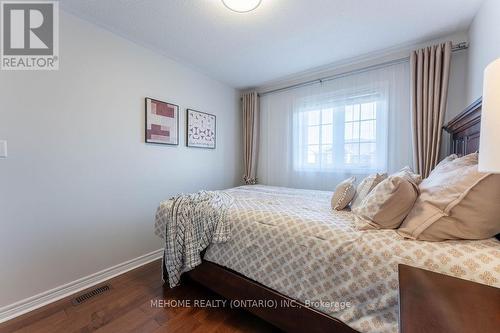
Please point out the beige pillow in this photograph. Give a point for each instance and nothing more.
(365, 187)
(408, 174)
(452, 162)
(387, 205)
(456, 202)
(344, 192)
(446, 160)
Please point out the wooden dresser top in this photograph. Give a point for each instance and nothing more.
(431, 302)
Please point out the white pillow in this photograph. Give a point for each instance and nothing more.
(365, 187)
(456, 202)
(387, 205)
(344, 192)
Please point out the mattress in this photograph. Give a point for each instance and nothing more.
(291, 241)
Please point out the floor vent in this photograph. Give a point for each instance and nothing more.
(90, 294)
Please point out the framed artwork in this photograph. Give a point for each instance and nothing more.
(201, 129)
(162, 122)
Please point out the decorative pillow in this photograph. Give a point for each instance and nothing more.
(365, 187)
(387, 205)
(456, 202)
(344, 192)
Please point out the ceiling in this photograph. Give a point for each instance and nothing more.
(279, 38)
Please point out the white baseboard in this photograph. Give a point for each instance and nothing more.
(29, 304)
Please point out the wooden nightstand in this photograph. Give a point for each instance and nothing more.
(431, 302)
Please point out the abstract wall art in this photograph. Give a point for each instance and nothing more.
(162, 122)
(201, 129)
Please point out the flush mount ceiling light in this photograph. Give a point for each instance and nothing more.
(241, 6)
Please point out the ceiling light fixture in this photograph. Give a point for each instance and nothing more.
(241, 6)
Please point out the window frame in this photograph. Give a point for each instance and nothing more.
(338, 141)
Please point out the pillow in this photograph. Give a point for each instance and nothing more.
(456, 202)
(387, 205)
(365, 187)
(446, 160)
(344, 192)
(452, 162)
(408, 174)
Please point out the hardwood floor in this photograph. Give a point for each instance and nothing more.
(127, 308)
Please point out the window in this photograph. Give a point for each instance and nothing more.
(340, 136)
(319, 141)
(315, 136)
(360, 140)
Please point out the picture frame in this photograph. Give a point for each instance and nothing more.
(201, 129)
(161, 122)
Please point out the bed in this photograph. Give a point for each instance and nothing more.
(292, 242)
(320, 273)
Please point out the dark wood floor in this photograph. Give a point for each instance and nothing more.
(127, 308)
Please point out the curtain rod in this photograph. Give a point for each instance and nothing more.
(456, 47)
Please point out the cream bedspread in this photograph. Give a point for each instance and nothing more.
(291, 241)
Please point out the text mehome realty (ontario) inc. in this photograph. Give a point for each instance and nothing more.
(221, 303)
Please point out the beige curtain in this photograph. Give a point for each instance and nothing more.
(250, 106)
(430, 72)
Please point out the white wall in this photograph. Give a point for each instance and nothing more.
(362, 61)
(484, 35)
(80, 187)
(457, 88)
(457, 98)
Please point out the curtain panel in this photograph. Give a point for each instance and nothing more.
(250, 106)
(318, 135)
(430, 73)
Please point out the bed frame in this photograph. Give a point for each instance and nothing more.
(464, 130)
(291, 315)
(288, 315)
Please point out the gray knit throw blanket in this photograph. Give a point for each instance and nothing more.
(193, 221)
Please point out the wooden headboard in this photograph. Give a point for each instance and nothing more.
(464, 130)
